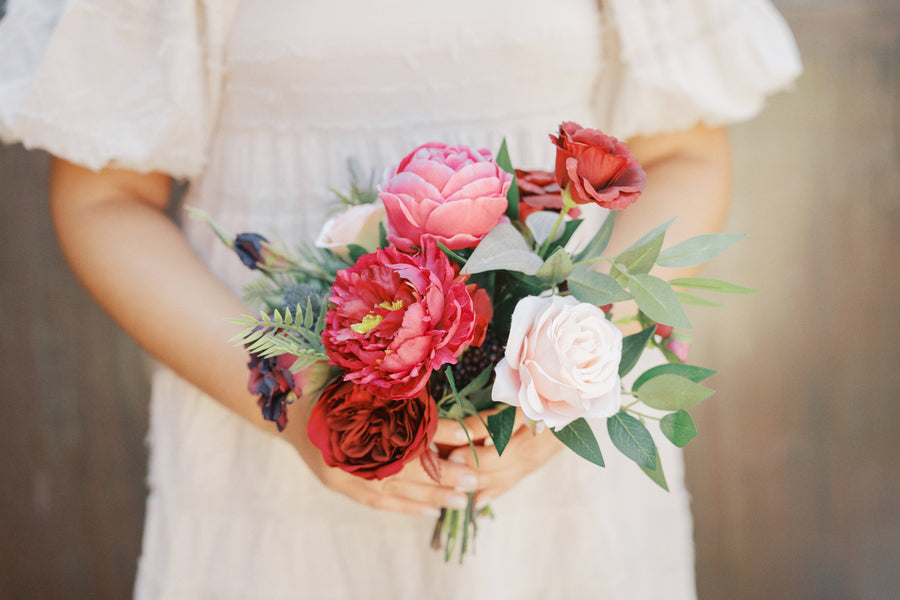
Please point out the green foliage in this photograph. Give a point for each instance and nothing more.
(512, 196)
(694, 300)
(638, 260)
(500, 427)
(272, 335)
(672, 392)
(711, 285)
(697, 250)
(632, 439)
(556, 268)
(600, 240)
(579, 438)
(695, 374)
(595, 288)
(504, 248)
(632, 348)
(657, 300)
(656, 475)
(678, 427)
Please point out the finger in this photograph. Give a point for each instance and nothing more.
(456, 475)
(451, 433)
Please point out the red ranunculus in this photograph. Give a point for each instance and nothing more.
(538, 190)
(484, 312)
(396, 317)
(368, 436)
(600, 168)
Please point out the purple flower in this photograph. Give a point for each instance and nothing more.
(249, 248)
(272, 382)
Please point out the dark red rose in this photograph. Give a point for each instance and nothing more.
(600, 168)
(272, 382)
(538, 190)
(368, 436)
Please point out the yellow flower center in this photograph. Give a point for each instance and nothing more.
(372, 320)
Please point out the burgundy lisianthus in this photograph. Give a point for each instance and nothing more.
(396, 317)
(453, 194)
(272, 382)
(600, 168)
(538, 190)
(368, 436)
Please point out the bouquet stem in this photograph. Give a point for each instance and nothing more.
(456, 527)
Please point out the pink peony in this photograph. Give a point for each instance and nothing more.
(600, 168)
(453, 194)
(396, 317)
(561, 362)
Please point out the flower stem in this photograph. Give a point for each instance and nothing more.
(568, 204)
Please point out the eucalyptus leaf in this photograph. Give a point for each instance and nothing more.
(569, 229)
(632, 439)
(695, 374)
(673, 392)
(503, 248)
(678, 427)
(512, 196)
(478, 383)
(640, 259)
(541, 223)
(657, 475)
(632, 347)
(595, 288)
(712, 285)
(695, 300)
(697, 250)
(600, 240)
(657, 300)
(579, 438)
(500, 427)
(659, 230)
(556, 268)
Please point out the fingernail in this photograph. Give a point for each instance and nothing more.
(467, 483)
(457, 458)
(433, 513)
(457, 502)
(488, 441)
(461, 436)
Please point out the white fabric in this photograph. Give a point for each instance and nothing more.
(261, 103)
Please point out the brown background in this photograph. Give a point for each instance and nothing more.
(794, 477)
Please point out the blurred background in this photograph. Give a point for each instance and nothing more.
(795, 473)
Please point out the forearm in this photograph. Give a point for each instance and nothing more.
(134, 260)
(688, 177)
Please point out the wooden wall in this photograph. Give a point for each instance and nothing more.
(794, 475)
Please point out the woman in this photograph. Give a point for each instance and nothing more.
(260, 104)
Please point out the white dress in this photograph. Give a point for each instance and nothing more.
(260, 104)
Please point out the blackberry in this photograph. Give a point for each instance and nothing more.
(468, 366)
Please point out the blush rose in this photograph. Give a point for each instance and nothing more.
(561, 362)
(368, 436)
(356, 225)
(599, 167)
(453, 194)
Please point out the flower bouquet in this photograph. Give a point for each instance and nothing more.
(463, 287)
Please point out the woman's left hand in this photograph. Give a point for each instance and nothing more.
(525, 453)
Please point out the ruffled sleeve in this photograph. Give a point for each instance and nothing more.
(127, 83)
(671, 64)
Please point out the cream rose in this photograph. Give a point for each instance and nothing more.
(561, 362)
(356, 225)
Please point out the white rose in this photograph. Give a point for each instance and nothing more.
(356, 225)
(561, 362)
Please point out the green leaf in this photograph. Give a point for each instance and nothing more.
(569, 229)
(541, 224)
(556, 268)
(595, 288)
(657, 300)
(382, 236)
(695, 374)
(678, 427)
(657, 475)
(654, 233)
(479, 382)
(503, 248)
(712, 285)
(673, 392)
(632, 348)
(697, 250)
(694, 300)
(638, 260)
(598, 243)
(632, 439)
(512, 196)
(579, 437)
(500, 427)
(356, 251)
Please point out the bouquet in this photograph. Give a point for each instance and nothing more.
(465, 287)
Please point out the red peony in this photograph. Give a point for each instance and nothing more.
(396, 317)
(368, 436)
(600, 168)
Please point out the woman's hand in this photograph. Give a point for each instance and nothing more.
(525, 453)
(410, 491)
